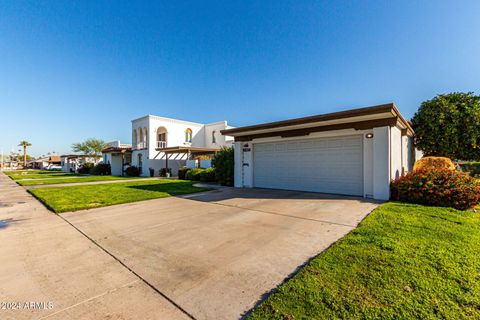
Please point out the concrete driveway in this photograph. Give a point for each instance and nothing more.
(216, 254)
(44, 260)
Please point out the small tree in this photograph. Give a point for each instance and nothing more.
(449, 126)
(223, 162)
(24, 144)
(92, 147)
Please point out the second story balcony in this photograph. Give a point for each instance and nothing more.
(161, 144)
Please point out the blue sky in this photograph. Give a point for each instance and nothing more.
(73, 70)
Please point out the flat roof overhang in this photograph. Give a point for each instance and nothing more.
(117, 150)
(358, 119)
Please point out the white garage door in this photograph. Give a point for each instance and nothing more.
(329, 165)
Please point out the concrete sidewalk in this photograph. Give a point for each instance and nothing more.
(45, 259)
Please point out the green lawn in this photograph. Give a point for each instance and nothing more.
(62, 199)
(72, 179)
(404, 261)
(37, 174)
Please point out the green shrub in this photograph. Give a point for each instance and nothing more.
(439, 187)
(132, 171)
(473, 168)
(182, 172)
(194, 174)
(208, 175)
(101, 169)
(163, 172)
(86, 168)
(223, 162)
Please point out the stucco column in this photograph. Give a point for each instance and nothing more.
(381, 163)
(238, 182)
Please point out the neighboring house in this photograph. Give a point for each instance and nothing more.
(10, 165)
(118, 156)
(159, 142)
(72, 162)
(45, 163)
(39, 163)
(354, 152)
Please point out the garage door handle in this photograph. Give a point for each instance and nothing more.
(245, 164)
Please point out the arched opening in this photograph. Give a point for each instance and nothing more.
(188, 135)
(134, 138)
(145, 137)
(140, 144)
(161, 137)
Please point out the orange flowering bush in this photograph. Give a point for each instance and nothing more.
(434, 163)
(440, 187)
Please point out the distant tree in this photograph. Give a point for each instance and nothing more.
(92, 147)
(449, 126)
(24, 144)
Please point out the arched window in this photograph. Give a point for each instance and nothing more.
(134, 139)
(214, 139)
(161, 137)
(145, 137)
(188, 135)
(140, 139)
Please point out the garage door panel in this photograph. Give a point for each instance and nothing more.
(333, 165)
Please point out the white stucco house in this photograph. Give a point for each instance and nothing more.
(355, 152)
(118, 155)
(159, 142)
(72, 162)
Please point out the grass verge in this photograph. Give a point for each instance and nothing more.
(404, 261)
(62, 199)
(37, 174)
(73, 179)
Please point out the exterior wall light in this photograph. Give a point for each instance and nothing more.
(369, 135)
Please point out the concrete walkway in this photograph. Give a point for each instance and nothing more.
(45, 259)
(72, 184)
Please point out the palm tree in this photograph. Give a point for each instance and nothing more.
(24, 144)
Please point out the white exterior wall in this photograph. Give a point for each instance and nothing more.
(396, 155)
(116, 164)
(368, 165)
(175, 129)
(220, 140)
(238, 155)
(381, 163)
(376, 159)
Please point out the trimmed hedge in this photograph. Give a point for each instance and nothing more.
(440, 187)
(194, 174)
(101, 169)
(132, 171)
(86, 168)
(197, 174)
(207, 175)
(434, 163)
(182, 172)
